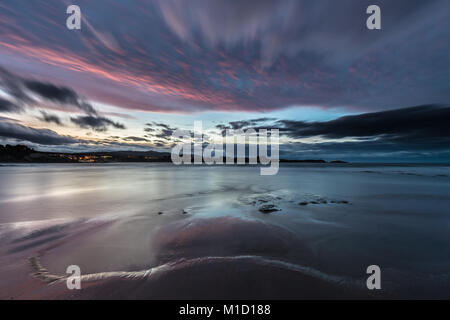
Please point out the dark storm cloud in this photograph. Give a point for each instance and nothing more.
(422, 122)
(235, 125)
(164, 134)
(136, 139)
(23, 89)
(96, 123)
(242, 124)
(17, 131)
(159, 130)
(8, 106)
(421, 132)
(241, 55)
(149, 127)
(13, 85)
(163, 125)
(50, 118)
(62, 95)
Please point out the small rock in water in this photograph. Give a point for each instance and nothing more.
(303, 203)
(343, 201)
(160, 213)
(314, 202)
(185, 212)
(269, 208)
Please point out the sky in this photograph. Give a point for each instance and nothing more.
(138, 70)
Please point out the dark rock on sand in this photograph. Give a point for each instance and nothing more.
(269, 208)
(321, 200)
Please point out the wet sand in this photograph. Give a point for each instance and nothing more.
(218, 258)
(209, 239)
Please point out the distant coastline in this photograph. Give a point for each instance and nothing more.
(22, 153)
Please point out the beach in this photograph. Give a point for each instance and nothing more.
(159, 231)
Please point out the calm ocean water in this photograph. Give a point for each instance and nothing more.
(335, 219)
